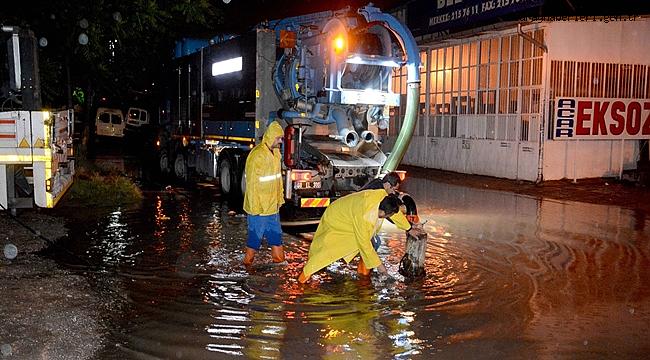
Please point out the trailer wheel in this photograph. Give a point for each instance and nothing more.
(180, 167)
(226, 174)
(163, 162)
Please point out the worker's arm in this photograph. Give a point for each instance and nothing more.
(400, 221)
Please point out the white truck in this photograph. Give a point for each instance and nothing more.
(36, 162)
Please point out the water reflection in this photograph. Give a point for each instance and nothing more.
(507, 277)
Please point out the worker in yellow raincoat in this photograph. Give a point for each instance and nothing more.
(264, 195)
(346, 229)
(390, 182)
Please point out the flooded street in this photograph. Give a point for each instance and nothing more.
(508, 276)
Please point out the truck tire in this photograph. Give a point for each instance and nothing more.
(163, 162)
(227, 174)
(180, 167)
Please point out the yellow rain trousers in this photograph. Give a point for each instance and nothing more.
(345, 230)
(264, 191)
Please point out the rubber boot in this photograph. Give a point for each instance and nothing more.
(362, 269)
(303, 278)
(249, 256)
(277, 253)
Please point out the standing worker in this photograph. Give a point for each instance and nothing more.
(264, 195)
(346, 229)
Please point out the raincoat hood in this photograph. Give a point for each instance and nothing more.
(274, 130)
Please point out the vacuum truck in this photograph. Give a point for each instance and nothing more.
(326, 77)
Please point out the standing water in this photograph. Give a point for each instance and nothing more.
(508, 276)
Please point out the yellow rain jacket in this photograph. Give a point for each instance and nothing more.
(401, 221)
(345, 230)
(264, 192)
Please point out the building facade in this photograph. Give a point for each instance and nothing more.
(535, 100)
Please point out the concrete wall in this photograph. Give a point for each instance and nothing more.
(588, 158)
(624, 42)
(506, 159)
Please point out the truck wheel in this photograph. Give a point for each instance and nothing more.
(226, 174)
(180, 167)
(163, 162)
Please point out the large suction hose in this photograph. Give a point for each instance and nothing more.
(409, 46)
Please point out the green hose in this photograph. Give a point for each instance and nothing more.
(406, 132)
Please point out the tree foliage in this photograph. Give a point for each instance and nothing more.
(128, 41)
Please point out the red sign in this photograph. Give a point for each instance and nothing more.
(601, 118)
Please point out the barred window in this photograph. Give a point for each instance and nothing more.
(599, 80)
(471, 82)
(486, 88)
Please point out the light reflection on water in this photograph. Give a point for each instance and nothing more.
(507, 276)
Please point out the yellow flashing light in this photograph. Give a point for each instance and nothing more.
(339, 44)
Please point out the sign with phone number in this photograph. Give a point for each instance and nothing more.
(427, 16)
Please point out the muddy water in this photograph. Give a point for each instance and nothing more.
(507, 277)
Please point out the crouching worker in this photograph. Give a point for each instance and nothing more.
(264, 195)
(346, 229)
(391, 183)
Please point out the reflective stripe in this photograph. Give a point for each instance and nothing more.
(314, 202)
(270, 177)
(24, 158)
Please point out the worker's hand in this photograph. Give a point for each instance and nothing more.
(416, 230)
(382, 269)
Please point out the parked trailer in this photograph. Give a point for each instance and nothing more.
(325, 76)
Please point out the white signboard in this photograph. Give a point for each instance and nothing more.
(601, 118)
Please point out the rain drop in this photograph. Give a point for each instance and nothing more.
(6, 350)
(11, 251)
(83, 39)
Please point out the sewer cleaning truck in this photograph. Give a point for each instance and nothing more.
(36, 144)
(326, 77)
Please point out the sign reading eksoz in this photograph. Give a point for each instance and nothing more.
(601, 118)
